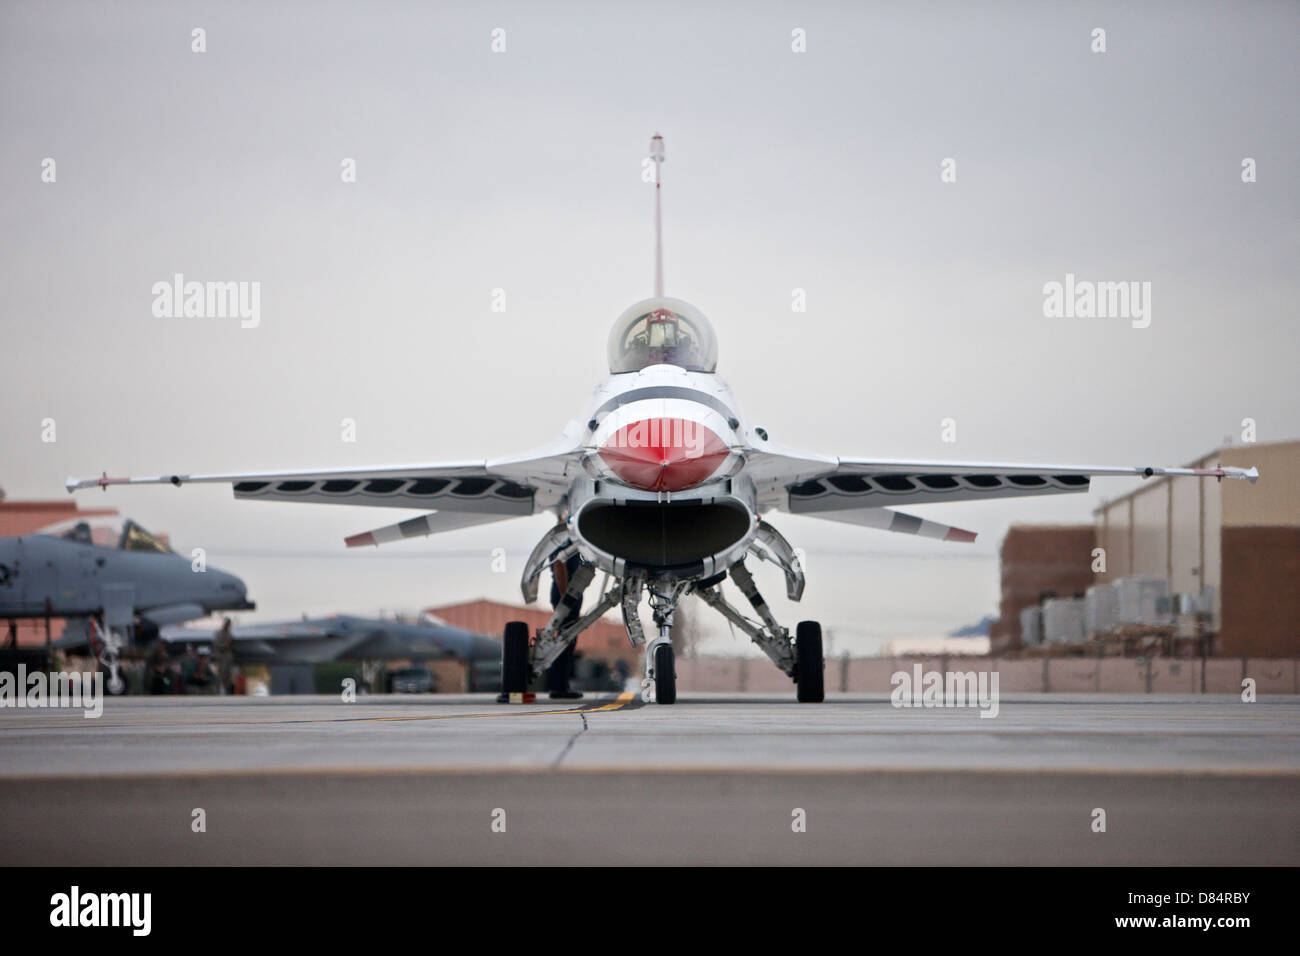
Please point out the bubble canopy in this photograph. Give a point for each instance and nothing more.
(662, 331)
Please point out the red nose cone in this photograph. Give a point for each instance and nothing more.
(664, 454)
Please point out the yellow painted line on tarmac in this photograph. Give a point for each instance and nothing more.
(623, 699)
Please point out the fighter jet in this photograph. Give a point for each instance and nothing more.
(664, 485)
(140, 584)
(343, 637)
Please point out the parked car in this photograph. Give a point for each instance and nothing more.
(414, 680)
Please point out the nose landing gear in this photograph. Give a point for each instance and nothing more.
(660, 682)
(106, 645)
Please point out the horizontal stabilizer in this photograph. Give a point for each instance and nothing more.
(433, 523)
(884, 519)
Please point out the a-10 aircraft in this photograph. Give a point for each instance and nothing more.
(140, 583)
(664, 485)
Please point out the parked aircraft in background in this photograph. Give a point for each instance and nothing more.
(129, 591)
(343, 637)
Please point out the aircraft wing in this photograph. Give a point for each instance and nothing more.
(827, 487)
(461, 493)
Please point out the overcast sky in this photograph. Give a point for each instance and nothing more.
(521, 170)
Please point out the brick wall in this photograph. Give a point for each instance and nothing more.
(1079, 675)
(1037, 560)
(1261, 592)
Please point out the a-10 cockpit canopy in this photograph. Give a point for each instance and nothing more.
(132, 537)
(662, 331)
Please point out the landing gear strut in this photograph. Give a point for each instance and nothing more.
(522, 661)
(660, 682)
(801, 658)
(106, 645)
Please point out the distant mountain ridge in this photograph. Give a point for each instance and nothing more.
(978, 629)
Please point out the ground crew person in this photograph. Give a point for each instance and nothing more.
(560, 672)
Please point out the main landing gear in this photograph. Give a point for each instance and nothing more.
(514, 660)
(800, 657)
(809, 664)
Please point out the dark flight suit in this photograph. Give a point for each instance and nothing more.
(223, 644)
(560, 672)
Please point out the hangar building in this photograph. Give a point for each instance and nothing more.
(1235, 544)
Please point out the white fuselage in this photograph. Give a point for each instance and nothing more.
(664, 487)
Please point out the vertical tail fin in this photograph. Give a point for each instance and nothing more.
(657, 154)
